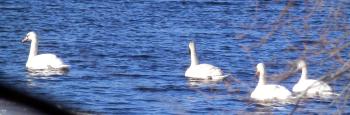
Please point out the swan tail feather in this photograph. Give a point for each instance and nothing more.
(64, 67)
(59, 67)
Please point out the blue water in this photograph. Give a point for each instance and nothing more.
(129, 57)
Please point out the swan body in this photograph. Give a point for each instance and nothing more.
(311, 86)
(265, 92)
(270, 92)
(202, 71)
(42, 61)
(45, 61)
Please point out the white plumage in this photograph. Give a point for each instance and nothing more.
(42, 61)
(202, 71)
(45, 61)
(270, 92)
(266, 92)
(311, 86)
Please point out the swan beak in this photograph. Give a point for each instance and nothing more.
(257, 74)
(25, 39)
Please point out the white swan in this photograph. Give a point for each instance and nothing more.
(42, 61)
(267, 92)
(313, 87)
(202, 71)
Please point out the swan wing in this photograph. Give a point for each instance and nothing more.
(46, 61)
(270, 92)
(281, 92)
(313, 88)
(324, 87)
(204, 71)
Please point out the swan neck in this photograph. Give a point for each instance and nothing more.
(33, 49)
(194, 59)
(303, 73)
(262, 79)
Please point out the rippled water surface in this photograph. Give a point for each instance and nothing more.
(130, 56)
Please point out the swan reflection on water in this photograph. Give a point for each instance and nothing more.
(209, 82)
(201, 82)
(46, 72)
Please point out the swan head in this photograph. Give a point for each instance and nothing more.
(260, 69)
(191, 44)
(29, 37)
(301, 64)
